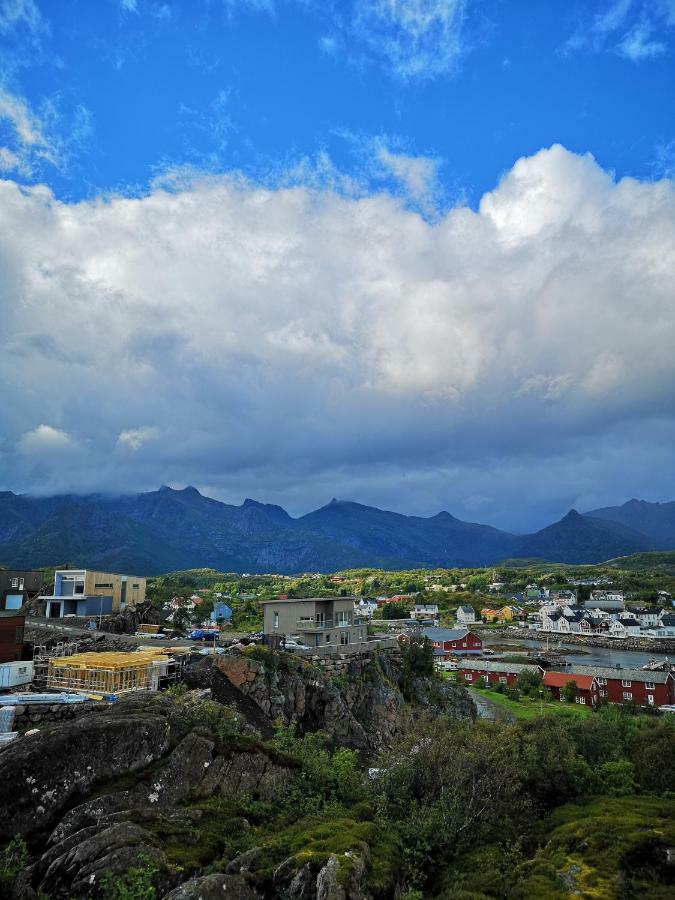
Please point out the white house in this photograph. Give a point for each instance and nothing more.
(465, 615)
(424, 611)
(365, 608)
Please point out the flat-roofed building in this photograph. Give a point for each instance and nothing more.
(85, 592)
(316, 621)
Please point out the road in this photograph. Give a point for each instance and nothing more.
(131, 639)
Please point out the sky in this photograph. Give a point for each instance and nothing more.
(414, 253)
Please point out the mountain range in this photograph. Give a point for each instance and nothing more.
(167, 530)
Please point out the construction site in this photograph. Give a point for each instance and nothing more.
(107, 674)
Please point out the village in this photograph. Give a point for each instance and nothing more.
(62, 663)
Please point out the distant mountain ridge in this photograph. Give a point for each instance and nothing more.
(167, 529)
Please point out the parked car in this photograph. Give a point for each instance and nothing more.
(255, 637)
(291, 644)
(203, 634)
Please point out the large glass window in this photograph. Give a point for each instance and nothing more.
(13, 601)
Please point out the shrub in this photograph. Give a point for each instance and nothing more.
(136, 884)
(13, 859)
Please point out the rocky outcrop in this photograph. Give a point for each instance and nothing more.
(253, 774)
(214, 887)
(77, 865)
(41, 775)
(362, 711)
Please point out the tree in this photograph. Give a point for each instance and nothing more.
(569, 692)
(394, 611)
(417, 658)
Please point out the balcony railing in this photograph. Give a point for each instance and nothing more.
(324, 624)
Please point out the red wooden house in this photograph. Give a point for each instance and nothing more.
(454, 641)
(640, 686)
(494, 672)
(588, 691)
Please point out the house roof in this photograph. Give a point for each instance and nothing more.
(445, 634)
(668, 620)
(493, 665)
(560, 679)
(623, 674)
(467, 610)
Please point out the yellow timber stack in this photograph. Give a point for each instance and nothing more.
(106, 673)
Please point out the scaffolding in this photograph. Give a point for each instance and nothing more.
(110, 673)
(41, 656)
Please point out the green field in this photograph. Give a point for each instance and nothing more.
(529, 708)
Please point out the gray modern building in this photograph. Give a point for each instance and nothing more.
(316, 621)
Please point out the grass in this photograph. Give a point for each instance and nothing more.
(529, 708)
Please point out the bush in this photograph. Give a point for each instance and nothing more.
(13, 860)
(135, 885)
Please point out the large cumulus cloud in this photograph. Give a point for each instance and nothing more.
(295, 343)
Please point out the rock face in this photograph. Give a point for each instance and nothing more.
(214, 887)
(41, 775)
(363, 713)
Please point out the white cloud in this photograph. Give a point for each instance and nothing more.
(417, 174)
(45, 439)
(30, 145)
(134, 438)
(416, 39)
(638, 44)
(297, 342)
(638, 30)
(16, 14)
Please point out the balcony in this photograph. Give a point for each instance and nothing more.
(325, 624)
(313, 624)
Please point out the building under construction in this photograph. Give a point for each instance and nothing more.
(112, 673)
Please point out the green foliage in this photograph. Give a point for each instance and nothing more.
(417, 657)
(13, 859)
(394, 611)
(136, 884)
(530, 683)
(326, 776)
(569, 692)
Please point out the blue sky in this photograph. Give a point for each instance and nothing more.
(130, 88)
(418, 254)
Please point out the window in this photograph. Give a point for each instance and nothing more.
(344, 637)
(103, 584)
(341, 618)
(650, 699)
(15, 582)
(627, 695)
(503, 679)
(79, 588)
(135, 586)
(603, 693)
(276, 620)
(581, 700)
(601, 680)
(13, 601)
(464, 644)
(626, 684)
(328, 638)
(22, 670)
(649, 685)
(468, 676)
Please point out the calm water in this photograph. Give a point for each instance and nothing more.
(593, 656)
